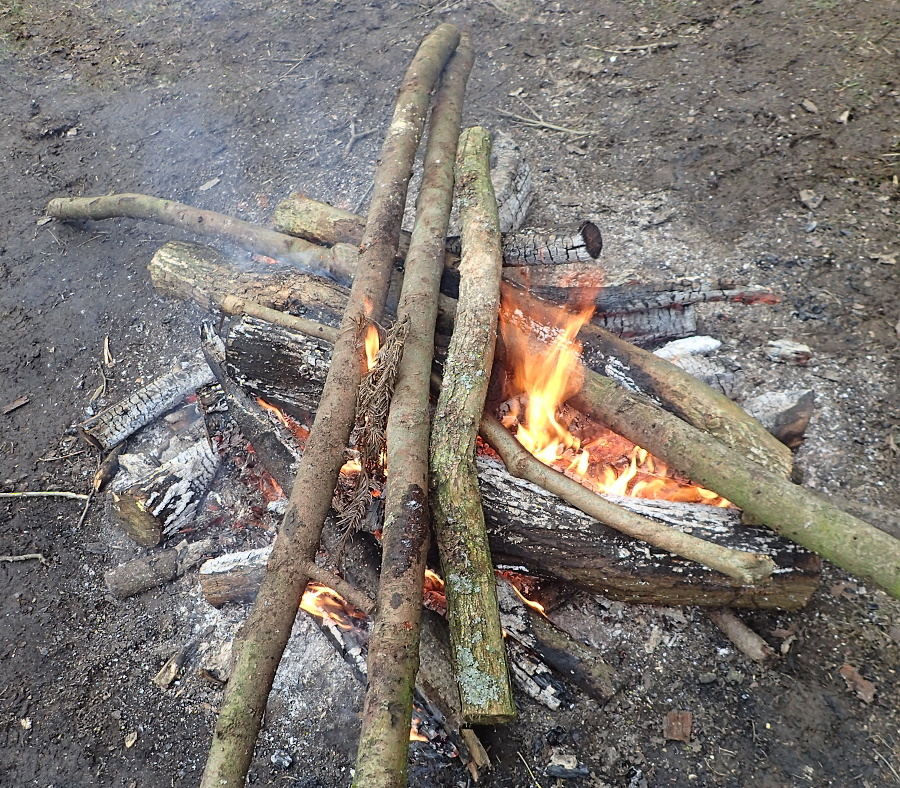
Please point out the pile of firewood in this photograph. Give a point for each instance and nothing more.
(297, 338)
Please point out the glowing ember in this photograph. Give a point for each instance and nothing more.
(540, 384)
(414, 734)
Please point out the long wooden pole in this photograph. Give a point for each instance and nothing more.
(476, 638)
(265, 634)
(393, 658)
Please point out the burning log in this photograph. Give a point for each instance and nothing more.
(268, 627)
(748, 568)
(270, 440)
(338, 261)
(393, 659)
(524, 526)
(680, 393)
(113, 425)
(475, 633)
(790, 510)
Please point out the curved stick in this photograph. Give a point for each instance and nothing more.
(339, 261)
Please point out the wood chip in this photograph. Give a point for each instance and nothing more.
(863, 688)
(677, 726)
(209, 184)
(16, 404)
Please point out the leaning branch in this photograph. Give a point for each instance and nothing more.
(475, 633)
(791, 511)
(393, 658)
(268, 627)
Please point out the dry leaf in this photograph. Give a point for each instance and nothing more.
(131, 740)
(864, 689)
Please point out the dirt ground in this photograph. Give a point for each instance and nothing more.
(706, 121)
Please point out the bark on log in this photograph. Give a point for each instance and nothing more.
(266, 632)
(475, 633)
(150, 571)
(533, 530)
(792, 511)
(113, 425)
(338, 261)
(393, 658)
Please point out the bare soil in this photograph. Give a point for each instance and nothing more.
(706, 120)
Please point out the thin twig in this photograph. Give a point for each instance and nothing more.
(542, 124)
(26, 557)
(888, 764)
(356, 137)
(636, 48)
(62, 456)
(46, 494)
(87, 505)
(531, 773)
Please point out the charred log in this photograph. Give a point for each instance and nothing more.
(116, 423)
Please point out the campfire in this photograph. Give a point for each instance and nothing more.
(578, 458)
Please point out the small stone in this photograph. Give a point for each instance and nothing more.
(707, 678)
(811, 227)
(785, 351)
(131, 740)
(844, 117)
(809, 106)
(810, 199)
(281, 759)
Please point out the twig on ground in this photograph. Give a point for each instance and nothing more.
(540, 123)
(744, 639)
(46, 494)
(356, 137)
(26, 557)
(62, 456)
(87, 505)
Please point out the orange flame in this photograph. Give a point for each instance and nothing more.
(300, 432)
(373, 342)
(530, 602)
(541, 383)
(329, 605)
